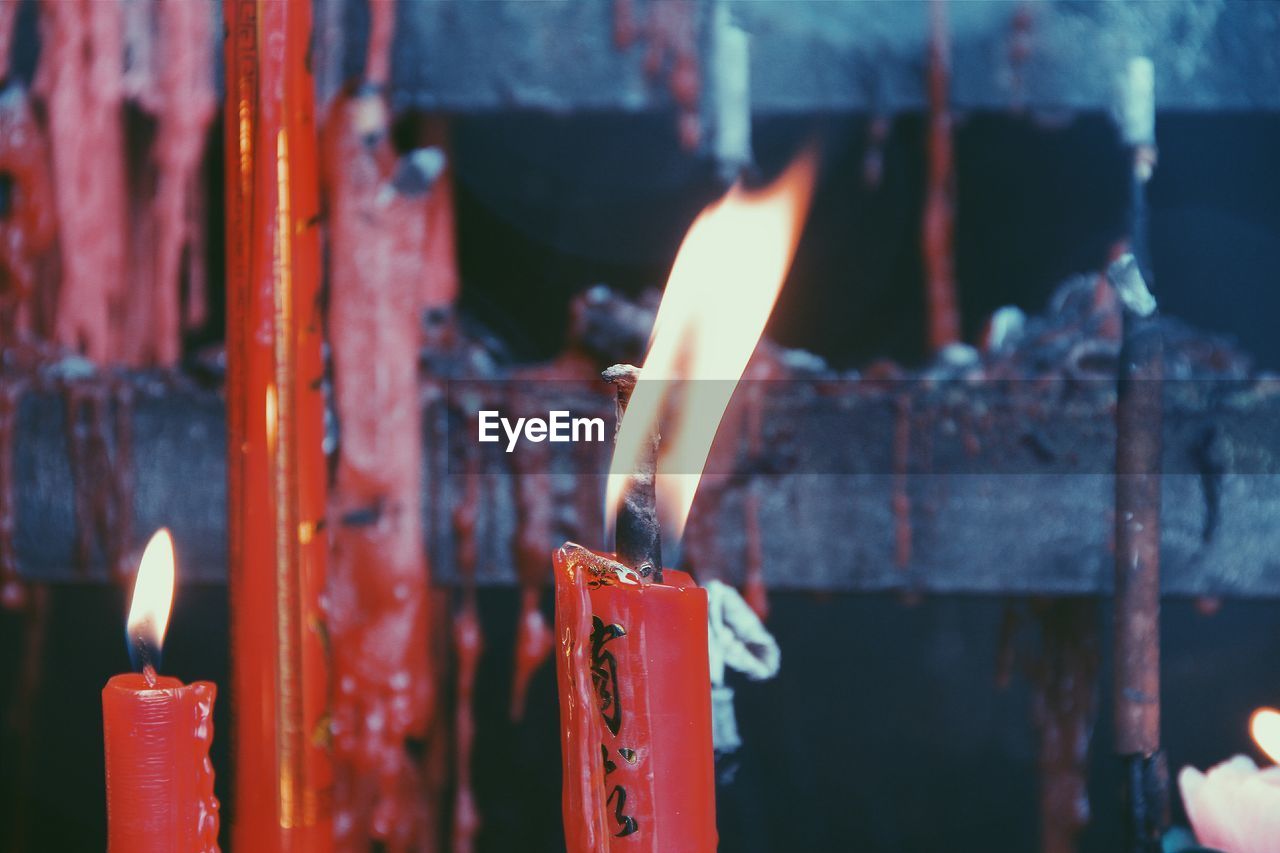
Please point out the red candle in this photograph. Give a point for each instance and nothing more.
(635, 708)
(276, 472)
(157, 733)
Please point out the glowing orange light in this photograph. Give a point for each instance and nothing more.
(725, 280)
(153, 591)
(1264, 725)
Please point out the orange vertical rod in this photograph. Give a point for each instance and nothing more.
(275, 412)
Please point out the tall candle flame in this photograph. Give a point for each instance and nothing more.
(725, 280)
(1264, 725)
(152, 600)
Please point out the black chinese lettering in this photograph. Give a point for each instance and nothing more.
(604, 672)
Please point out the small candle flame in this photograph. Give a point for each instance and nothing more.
(1264, 725)
(152, 600)
(725, 280)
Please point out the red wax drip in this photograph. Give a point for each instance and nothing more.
(159, 780)
(761, 370)
(1064, 702)
(80, 80)
(533, 532)
(99, 436)
(585, 825)
(755, 593)
(468, 644)
(8, 16)
(624, 24)
(1065, 708)
(536, 523)
(379, 579)
(27, 231)
(1109, 324)
(901, 497)
(13, 592)
(1020, 42)
(635, 709)
(78, 452)
(126, 219)
(533, 644)
(382, 20)
(939, 205)
(671, 48)
(187, 104)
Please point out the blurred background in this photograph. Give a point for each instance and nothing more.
(903, 719)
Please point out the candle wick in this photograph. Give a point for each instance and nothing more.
(149, 674)
(637, 533)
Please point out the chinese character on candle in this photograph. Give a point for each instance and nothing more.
(157, 733)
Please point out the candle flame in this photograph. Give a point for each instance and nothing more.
(723, 284)
(152, 595)
(1264, 725)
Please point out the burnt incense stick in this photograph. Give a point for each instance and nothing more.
(1138, 453)
(638, 535)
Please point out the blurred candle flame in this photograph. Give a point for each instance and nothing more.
(723, 284)
(1235, 805)
(1264, 725)
(152, 597)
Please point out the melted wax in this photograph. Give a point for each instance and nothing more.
(80, 81)
(378, 605)
(468, 643)
(635, 708)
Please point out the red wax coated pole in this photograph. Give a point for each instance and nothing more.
(635, 709)
(275, 406)
(159, 779)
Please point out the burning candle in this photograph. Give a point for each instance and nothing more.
(157, 732)
(633, 665)
(1235, 807)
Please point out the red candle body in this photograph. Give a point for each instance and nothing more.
(276, 472)
(159, 779)
(635, 709)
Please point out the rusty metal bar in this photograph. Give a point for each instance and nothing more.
(1011, 489)
(1137, 575)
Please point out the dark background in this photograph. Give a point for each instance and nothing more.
(885, 730)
